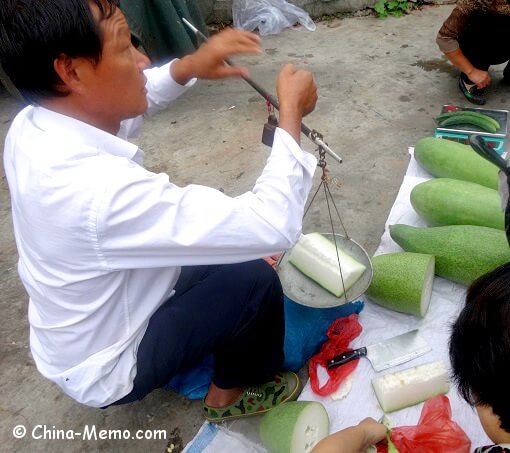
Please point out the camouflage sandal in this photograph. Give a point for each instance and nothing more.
(257, 400)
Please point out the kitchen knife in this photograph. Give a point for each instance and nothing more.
(387, 353)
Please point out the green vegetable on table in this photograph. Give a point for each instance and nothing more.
(462, 252)
(447, 159)
(402, 282)
(461, 117)
(445, 201)
(294, 427)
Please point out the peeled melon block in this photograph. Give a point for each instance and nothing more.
(402, 282)
(294, 427)
(316, 257)
(408, 387)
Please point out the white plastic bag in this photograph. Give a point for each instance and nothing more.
(269, 16)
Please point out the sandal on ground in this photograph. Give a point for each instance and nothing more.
(257, 400)
(472, 92)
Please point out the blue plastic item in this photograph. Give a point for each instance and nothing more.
(305, 331)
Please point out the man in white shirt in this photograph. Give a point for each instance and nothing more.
(131, 278)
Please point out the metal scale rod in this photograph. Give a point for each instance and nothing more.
(311, 134)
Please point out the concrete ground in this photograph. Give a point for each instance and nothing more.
(381, 82)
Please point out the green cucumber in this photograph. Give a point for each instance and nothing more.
(411, 386)
(402, 282)
(466, 118)
(457, 113)
(294, 427)
(448, 159)
(462, 252)
(445, 201)
(316, 257)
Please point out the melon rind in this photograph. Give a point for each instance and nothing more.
(463, 253)
(402, 282)
(294, 427)
(448, 159)
(445, 201)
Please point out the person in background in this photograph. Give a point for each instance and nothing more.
(131, 278)
(475, 37)
(480, 355)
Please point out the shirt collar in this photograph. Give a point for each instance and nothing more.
(56, 123)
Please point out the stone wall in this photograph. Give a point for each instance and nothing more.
(220, 11)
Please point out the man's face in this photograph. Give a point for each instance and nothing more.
(115, 87)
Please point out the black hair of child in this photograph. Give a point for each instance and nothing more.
(33, 33)
(480, 344)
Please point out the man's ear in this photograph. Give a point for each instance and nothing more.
(70, 71)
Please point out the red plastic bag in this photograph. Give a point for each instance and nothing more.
(436, 432)
(340, 333)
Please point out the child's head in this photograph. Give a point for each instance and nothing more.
(480, 351)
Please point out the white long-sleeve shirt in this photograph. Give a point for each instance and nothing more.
(101, 239)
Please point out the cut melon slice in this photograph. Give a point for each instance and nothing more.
(294, 427)
(403, 282)
(316, 257)
(411, 386)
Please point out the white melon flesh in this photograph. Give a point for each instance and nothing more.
(294, 427)
(411, 386)
(316, 257)
(403, 282)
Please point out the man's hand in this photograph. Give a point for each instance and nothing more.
(297, 96)
(208, 62)
(481, 78)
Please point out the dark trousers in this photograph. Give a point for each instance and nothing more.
(234, 311)
(485, 41)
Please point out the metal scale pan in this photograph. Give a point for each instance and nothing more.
(305, 291)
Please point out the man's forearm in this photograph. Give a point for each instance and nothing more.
(290, 121)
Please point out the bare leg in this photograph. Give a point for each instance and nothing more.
(217, 397)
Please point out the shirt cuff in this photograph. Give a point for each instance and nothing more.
(307, 160)
(165, 87)
(447, 45)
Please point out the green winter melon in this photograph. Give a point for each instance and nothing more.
(294, 427)
(445, 201)
(447, 159)
(462, 252)
(402, 282)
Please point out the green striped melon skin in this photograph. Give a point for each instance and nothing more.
(447, 159)
(445, 201)
(463, 252)
(294, 427)
(402, 282)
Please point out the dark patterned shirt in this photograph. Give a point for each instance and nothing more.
(502, 448)
(447, 38)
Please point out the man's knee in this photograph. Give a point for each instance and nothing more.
(265, 277)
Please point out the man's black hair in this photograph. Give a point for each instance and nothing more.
(33, 33)
(480, 344)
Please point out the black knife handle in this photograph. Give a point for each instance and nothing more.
(346, 357)
(484, 150)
